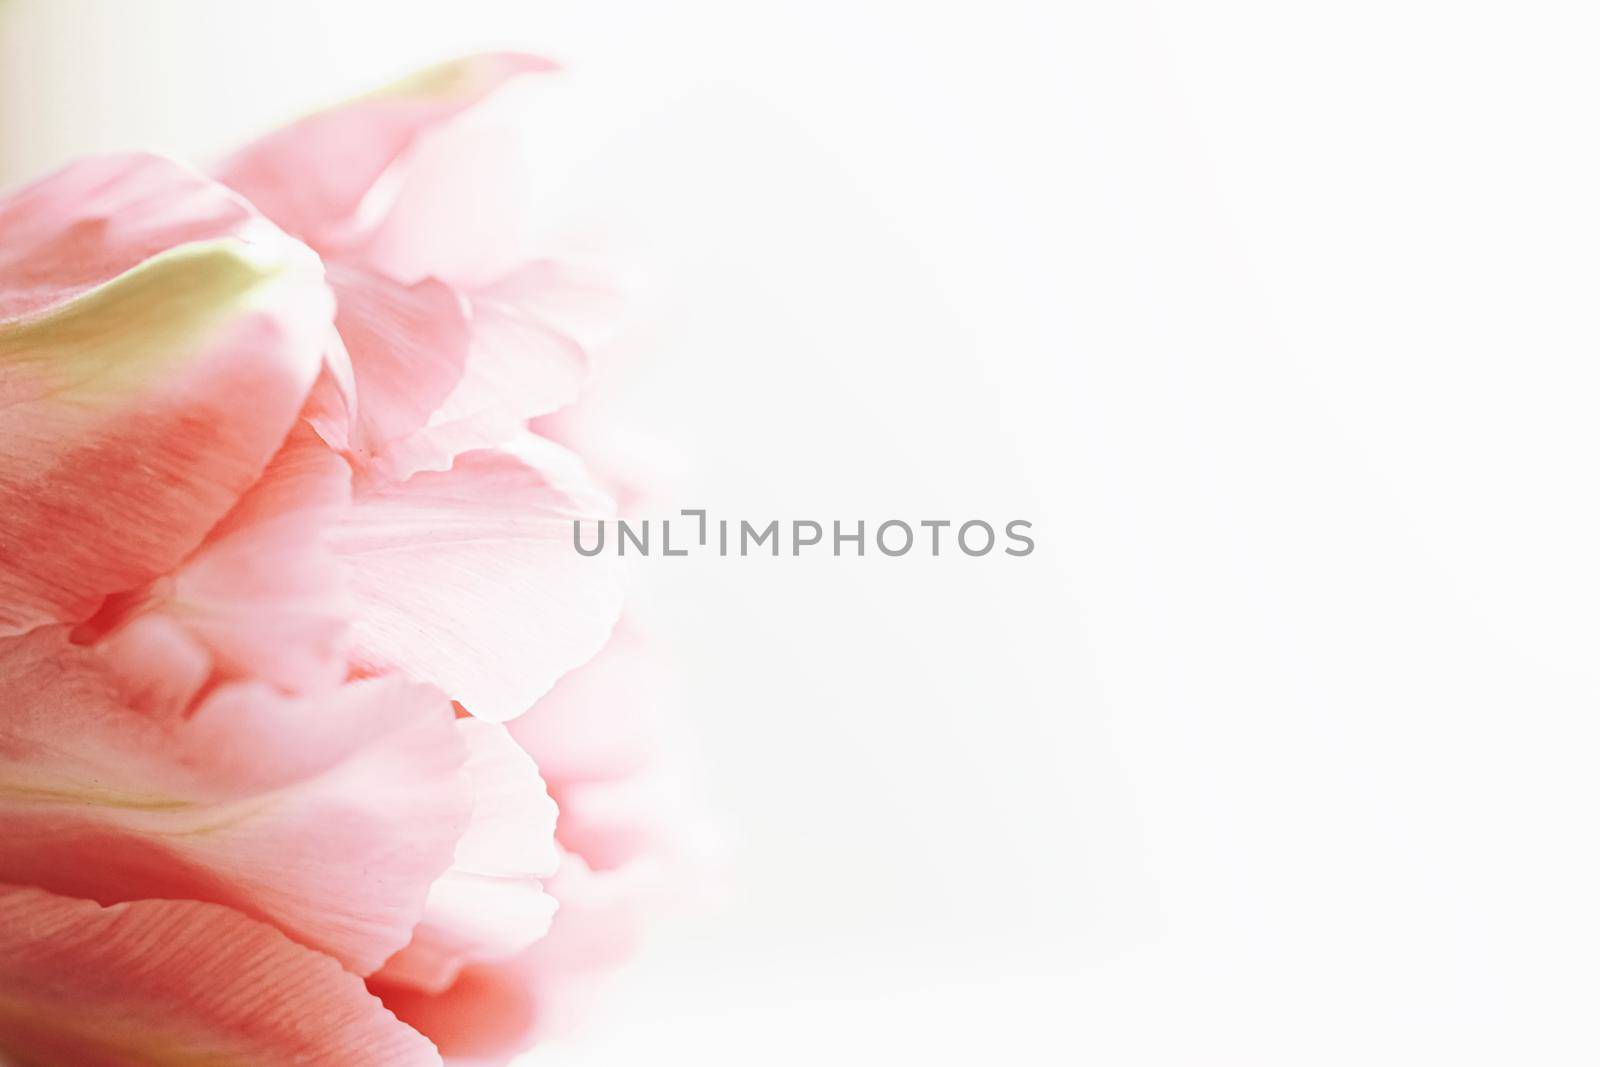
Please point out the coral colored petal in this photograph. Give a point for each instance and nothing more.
(630, 846)
(467, 579)
(312, 176)
(327, 816)
(125, 432)
(493, 1011)
(485, 1018)
(263, 593)
(161, 982)
(469, 919)
(156, 665)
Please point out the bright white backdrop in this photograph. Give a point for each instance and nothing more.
(1276, 318)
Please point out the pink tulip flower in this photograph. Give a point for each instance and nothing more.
(280, 560)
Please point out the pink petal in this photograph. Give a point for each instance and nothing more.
(407, 346)
(600, 738)
(311, 177)
(630, 846)
(460, 209)
(491, 904)
(601, 722)
(100, 217)
(469, 919)
(262, 595)
(157, 666)
(636, 469)
(332, 404)
(485, 1018)
(518, 366)
(613, 823)
(160, 982)
(461, 216)
(493, 1011)
(125, 435)
(603, 917)
(436, 374)
(327, 816)
(467, 579)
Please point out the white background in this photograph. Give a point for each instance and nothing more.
(1277, 318)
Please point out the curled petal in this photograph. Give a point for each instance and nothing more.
(327, 815)
(493, 1011)
(100, 217)
(485, 1017)
(123, 433)
(436, 373)
(491, 904)
(159, 982)
(512, 834)
(467, 579)
(312, 176)
(602, 740)
(407, 348)
(630, 846)
(158, 666)
(518, 366)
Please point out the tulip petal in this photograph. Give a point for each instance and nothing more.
(487, 1016)
(100, 217)
(518, 366)
(407, 346)
(262, 594)
(495, 1010)
(601, 739)
(327, 815)
(524, 352)
(604, 721)
(436, 374)
(491, 904)
(467, 579)
(460, 208)
(124, 435)
(161, 982)
(312, 176)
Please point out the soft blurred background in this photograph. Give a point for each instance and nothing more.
(1276, 319)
